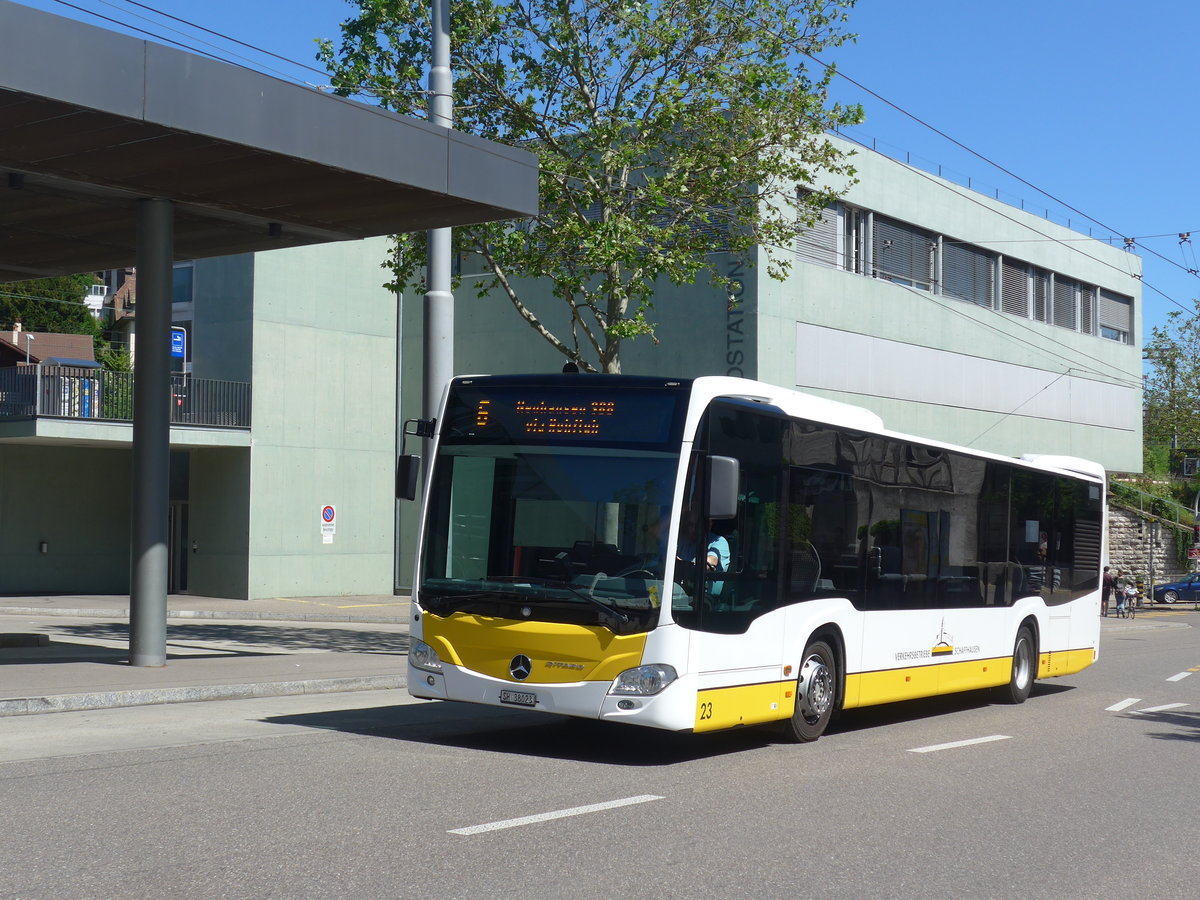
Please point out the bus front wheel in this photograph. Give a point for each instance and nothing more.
(816, 693)
(1024, 668)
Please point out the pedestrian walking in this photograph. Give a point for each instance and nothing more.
(1107, 584)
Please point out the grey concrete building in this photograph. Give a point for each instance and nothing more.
(950, 313)
(257, 472)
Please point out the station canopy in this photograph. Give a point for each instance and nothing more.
(92, 121)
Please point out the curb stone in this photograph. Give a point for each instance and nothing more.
(123, 613)
(24, 706)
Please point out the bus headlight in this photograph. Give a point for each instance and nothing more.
(644, 681)
(424, 657)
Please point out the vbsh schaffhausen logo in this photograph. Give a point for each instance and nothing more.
(520, 667)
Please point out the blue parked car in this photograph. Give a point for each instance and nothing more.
(1186, 589)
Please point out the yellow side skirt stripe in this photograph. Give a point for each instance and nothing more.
(750, 704)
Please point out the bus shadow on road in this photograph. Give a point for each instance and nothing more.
(533, 734)
(522, 733)
(868, 717)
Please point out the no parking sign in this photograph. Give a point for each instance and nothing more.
(328, 523)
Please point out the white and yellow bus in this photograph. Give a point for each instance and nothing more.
(841, 565)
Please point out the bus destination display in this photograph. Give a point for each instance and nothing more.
(543, 415)
(540, 417)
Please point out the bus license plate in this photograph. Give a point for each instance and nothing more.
(518, 698)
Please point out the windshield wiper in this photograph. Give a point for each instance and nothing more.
(582, 595)
(444, 601)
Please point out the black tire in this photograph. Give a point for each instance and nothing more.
(1171, 597)
(1024, 668)
(816, 693)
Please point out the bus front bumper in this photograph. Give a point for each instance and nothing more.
(671, 709)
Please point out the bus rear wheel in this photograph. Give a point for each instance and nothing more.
(816, 693)
(1024, 668)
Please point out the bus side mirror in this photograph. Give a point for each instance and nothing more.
(408, 474)
(722, 487)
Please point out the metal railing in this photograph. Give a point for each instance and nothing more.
(1133, 498)
(68, 392)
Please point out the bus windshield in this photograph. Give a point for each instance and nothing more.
(571, 534)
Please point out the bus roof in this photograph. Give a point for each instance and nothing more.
(790, 402)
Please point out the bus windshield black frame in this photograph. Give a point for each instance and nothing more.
(550, 499)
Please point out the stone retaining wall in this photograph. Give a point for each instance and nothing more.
(1132, 539)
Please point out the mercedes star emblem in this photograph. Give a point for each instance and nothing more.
(520, 667)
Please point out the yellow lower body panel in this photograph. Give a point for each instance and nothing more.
(873, 688)
(892, 685)
(1065, 662)
(558, 654)
(746, 704)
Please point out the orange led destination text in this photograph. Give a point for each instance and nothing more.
(550, 418)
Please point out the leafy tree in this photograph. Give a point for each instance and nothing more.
(666, 131)
(114, 358)
(1171, 399)
(49, 304)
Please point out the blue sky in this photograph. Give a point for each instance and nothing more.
(1090, 101)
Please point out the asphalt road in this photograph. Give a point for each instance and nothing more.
(1087, 790)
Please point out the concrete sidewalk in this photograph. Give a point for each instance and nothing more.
(366, 608)
(66, 653)
(63, 653)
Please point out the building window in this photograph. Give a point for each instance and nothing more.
(967, 273)
(819, 242)
(860, 241)
(181, 283)
(1064, 302)
(855, 240)
(1041, 294)
(1014, 288)
(1114, 313)
(1087, 309)
(903, 253)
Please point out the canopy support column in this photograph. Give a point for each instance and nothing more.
(149, 558)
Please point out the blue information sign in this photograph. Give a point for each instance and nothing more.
(178, 343)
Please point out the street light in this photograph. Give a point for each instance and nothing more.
(28, 338)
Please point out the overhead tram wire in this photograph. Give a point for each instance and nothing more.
(222, 36)
(5, 295)
(957, 307)
(1066, 243)
(248, 64)
(1019, 406)
(990, 162)
(180, 44)
(838, 73)
(238, 60)
(1029, 184)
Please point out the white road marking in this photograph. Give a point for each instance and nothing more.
(1179, 677)
(557, 814)
(1165, 706)
(1124, 704)
(955, 744)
